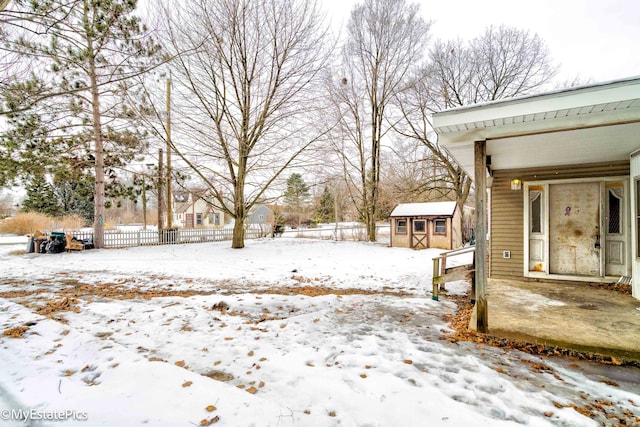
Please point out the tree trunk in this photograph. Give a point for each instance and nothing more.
(371, 229)
(99, 219)
(237, 241)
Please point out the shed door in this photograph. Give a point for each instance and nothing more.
(574, 231)
(189, 221)
(419, 234)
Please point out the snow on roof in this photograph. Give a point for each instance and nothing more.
(425, 209)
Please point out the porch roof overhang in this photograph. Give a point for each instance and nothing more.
(588, 124)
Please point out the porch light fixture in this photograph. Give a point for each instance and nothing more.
(516, 184)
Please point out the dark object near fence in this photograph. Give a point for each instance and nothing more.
(88, 243)
(277, 231)
(56, 242)
(168, 235)
(55, 246)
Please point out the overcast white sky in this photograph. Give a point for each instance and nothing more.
(594, 39)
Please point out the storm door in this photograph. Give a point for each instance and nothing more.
(537, 229)
(615, 229)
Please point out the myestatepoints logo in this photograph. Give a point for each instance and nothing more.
(26, 415)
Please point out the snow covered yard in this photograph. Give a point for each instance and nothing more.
(284, 332)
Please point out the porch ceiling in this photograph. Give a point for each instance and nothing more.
(597, 123)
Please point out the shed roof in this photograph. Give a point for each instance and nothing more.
(425, 209)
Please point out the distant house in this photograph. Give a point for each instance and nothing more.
(426, 225)
(195, 208)
(260, 217)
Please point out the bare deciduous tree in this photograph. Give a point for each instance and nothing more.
(503, 62)
(246, 93)
(385, 39)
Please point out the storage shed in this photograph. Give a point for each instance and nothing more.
(426, 225)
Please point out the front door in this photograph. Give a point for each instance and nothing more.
(574, 229)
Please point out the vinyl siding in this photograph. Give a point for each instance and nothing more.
(507, 209)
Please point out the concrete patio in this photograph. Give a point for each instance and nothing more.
(573, 315)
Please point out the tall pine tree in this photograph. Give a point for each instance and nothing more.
(296, 197)
(326, 210)
(41, 198)
(70, 112)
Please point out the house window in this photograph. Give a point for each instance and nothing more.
(261, 218)
(440, 226)
(419, 226)
(535, 212)
(216, 219)
(210, 217)
(401, 226)
(198, 219)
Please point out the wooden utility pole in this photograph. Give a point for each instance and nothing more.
(160, 191)
(169, 196)
(480, 171)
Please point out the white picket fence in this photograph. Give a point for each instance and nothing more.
(124, 239)
(131, 238)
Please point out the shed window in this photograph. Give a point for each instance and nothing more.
(419, 226)
(198, 219)
(401, 226)
(440, 226)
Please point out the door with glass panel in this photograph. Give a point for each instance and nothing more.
(419, 234)
(537, 229)
(615, 228)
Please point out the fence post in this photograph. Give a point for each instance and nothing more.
(473, 281)
(139, 239)
(443, 271)
(436, 279)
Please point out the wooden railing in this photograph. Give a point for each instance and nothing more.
(443, 274)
